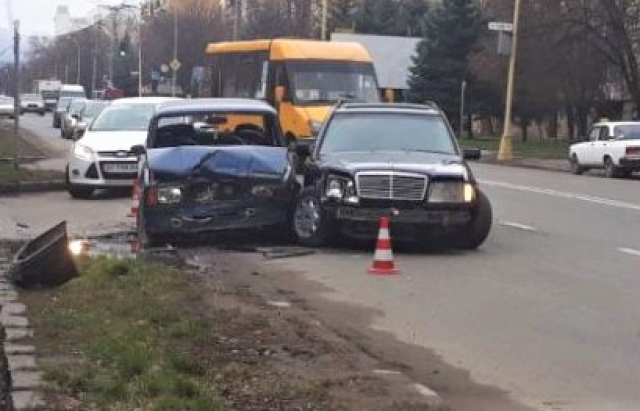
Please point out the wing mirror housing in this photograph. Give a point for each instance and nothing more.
(138, 150)
(472, 154)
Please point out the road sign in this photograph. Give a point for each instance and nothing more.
(175, 65)
(164, 68)
(500, 26)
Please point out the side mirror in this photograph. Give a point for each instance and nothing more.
(279, 94)
(472, 154)
(138, 150)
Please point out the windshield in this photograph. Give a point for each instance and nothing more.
(387, 132)
(91, 109)
(76, 107)
(324, 83)
(73, 94)
(124, 117)
(217, 129)
(50, 95)
(627, 132)
(31, 97)
(64, 103)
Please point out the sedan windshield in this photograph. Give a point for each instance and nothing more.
(124, 117)
(387, 132)
(627, 132)
(92, 108)
(324, 83)
(31, 97)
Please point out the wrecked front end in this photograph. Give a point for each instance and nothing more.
(206, 189)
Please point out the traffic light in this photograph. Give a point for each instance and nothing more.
(123, 48)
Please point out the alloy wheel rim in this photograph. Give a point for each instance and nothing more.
(307, 217)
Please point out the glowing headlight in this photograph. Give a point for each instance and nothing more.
(83, 153)
(451, 192)
(315, 127)
(169, 195)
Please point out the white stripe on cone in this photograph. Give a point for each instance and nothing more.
(384, 234)
(383, 255)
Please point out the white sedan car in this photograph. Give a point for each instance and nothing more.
(102, 157)
(612, 146)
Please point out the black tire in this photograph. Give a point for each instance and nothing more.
(576, 168)
(476, 232)
(75, 191)
(610, 169)
(319, 233)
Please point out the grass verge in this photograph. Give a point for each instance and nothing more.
(10, 175)
(548, 149)
(128, 335)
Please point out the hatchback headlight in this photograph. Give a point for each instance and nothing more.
(451, 192)
(83, 153)
(169, 195)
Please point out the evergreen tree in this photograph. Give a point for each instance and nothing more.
(442, 59)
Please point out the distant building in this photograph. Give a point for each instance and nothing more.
(65, 23)
(391, 59)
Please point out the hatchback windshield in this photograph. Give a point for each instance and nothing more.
(387, 132)
(124, 117)
(92, 108)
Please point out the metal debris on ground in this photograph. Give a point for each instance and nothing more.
(272, 252)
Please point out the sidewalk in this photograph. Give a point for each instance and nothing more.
(558, 165)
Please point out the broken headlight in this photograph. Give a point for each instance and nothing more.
(341, 188)
(169, 195)
(451, 192)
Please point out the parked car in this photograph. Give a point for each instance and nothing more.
(211, 165)
(32, 103)
(7, 107)
(91, 109)
(395, 160)
(102, 157)
(612, 146)
(61, 107)
(73, 91)
(70, 117)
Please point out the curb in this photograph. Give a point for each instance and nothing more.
(558, 169)
(31, 187)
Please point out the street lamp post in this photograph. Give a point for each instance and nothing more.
(505, 151)
(77, 43)
(175, 51)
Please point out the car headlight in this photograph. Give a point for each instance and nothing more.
(262, 191)
(315, 127)
(169, 195)
(83, 153)
(451, 192)
(341, 188)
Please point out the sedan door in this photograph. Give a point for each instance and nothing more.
(587, 154)
(601, 146)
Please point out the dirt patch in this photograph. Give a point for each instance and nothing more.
(344, 345)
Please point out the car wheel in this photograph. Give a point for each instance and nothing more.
(576, 168)
(476, 232)
(75, 191)
(311, 226)
(610, 169)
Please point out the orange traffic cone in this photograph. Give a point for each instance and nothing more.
(383, 259)
(135, 199)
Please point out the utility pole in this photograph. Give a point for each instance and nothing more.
(463, 89)
(505, 152)
(323, 29)
(236, 17)
(94, 70)
(175, 50)
(16, 87)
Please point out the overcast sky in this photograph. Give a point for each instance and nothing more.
(36, 16)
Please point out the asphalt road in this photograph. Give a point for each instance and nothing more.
(547, 310)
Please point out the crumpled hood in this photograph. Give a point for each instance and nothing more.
(449, 165)
(237, 161)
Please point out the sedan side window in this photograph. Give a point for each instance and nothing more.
(595, 132)
(604, 133)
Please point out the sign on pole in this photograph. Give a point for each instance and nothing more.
(500, 26)
(175, 65)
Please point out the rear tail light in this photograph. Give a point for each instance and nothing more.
(633, 151)
(152, 196)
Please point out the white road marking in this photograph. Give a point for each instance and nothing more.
(519, 226)
(279, 304)
(562, 194)
(387, 372)
(425, 391)
(629, 251)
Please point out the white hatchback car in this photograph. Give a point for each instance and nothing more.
(612, 146)
(102, 157)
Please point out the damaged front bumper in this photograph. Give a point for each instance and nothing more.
(202, 219)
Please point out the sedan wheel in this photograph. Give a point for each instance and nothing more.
(576, 168)
(610, 169)
(310, 224)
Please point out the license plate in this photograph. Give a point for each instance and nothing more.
(121, 168)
